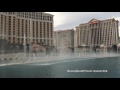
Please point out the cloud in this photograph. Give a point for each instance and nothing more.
(64, 20)
(68, 20)
(59, 17)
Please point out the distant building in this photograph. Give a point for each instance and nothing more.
(37, 27)
(64, 38)
(98, 32)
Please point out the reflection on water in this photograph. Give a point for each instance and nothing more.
(59, 69)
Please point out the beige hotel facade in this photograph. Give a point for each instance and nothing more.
(64, 38)
(98, 32)
(35, 26)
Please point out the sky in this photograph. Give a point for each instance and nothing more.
(69, 20)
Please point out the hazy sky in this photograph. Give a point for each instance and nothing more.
(68, 20)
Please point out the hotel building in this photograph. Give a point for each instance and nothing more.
(34, 26)
(64, 38)
(98, 32)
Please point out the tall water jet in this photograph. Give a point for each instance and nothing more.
(31, 39)
(24, 45)
(75, 42)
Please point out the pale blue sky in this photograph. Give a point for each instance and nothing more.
(68, 20)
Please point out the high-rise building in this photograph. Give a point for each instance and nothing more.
(34, 26)
(98, 32)
(64, 38)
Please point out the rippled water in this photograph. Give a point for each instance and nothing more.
(58, 69)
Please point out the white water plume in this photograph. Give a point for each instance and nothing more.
(49, 60)
(61, 54)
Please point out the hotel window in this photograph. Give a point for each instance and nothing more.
(33, 40)
(9, 38)
(50, 18)
(43, 18)
(5, 26)
(13, 39)
(36, 40)
(10, 12)
(109, 23)
(22, 40)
